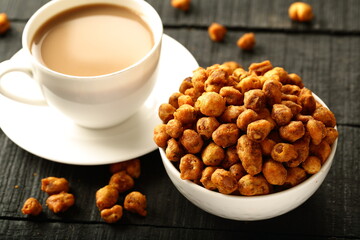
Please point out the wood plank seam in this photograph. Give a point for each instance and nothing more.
(269, 30)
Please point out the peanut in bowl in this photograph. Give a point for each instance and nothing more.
(246, 145)
(247, 208)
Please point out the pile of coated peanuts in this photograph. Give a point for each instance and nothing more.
(59, 199)
(121, 181)
(242, 132)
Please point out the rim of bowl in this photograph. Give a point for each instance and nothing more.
(324, 169)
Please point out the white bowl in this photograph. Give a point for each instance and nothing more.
(248, 208)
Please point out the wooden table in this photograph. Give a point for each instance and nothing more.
(325, 52)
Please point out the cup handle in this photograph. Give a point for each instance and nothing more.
(9, 66)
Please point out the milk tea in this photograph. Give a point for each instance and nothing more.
(92, 40)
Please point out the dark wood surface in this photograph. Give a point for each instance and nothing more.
(325, 52)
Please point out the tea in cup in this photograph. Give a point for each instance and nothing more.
(95, 60)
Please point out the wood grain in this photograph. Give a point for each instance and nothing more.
(49, 230)
(264, 15)
(244, 14)
(325, 53)
(20, 10)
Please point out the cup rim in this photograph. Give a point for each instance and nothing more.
(156, 46)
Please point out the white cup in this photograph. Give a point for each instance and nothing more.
(96, 101)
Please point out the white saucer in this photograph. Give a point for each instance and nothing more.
(43, 132)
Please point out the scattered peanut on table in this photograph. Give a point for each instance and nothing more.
(301, 12)
(4, 23)
(217, 32)
(181, 4)
(246, 41)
